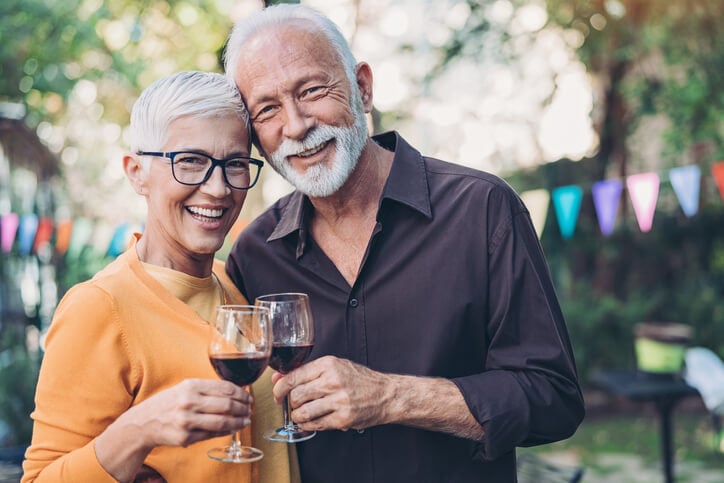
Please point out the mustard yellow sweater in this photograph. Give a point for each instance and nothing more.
(115, 341)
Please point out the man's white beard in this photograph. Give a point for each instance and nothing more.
(319, 181)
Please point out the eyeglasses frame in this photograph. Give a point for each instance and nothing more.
(171, 155)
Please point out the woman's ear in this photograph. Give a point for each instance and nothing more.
(136, 173)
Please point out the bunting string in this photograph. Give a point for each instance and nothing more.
(28, 234)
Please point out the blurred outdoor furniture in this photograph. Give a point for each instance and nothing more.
(665, 391)
(533, 469)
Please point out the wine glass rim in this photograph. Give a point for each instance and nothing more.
(240, 308)
(281, 296)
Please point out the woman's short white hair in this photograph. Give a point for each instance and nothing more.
(281, 14)
(189, 93)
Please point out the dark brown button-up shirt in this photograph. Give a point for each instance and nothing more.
(454, 285)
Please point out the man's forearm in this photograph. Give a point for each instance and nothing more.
(435, 404)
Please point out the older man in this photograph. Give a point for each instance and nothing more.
(440, 341)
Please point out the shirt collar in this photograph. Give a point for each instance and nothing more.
(406, 184)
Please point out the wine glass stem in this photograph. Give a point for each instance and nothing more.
(285, 407)
(235, 442)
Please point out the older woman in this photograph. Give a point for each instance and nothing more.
(126, 390)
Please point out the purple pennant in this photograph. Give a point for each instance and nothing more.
(8, 229)
(567, 202)
(606, 197)
(686, 181)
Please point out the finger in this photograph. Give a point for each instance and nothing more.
(215, 424)
(308, 372)
(211, 387)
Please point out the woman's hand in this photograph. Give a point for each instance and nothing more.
(191, 411)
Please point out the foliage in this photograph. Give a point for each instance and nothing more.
(659, 59)
(672, 274)
(18, 376)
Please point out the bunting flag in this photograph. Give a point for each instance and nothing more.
(122, 238)
(62, 236)
(101, 238)
(8, 229)
(537, 202)
(643, 189)
(567, 202)
(606, 198)
(43, 234)
(686, 181)
(82, 231)
(26, 232)
(717, 170)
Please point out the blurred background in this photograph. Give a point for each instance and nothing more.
(606, 115)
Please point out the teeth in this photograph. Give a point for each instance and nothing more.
(312, 151)
(205, 212)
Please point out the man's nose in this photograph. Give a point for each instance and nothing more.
(298, 122)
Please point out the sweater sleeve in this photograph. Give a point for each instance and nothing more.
(85, 383)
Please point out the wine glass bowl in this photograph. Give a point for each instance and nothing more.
(293, 335)
(239, 348)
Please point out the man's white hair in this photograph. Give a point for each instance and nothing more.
(189, 93)
(283, 14)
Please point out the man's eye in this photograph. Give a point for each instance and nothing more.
(312, 90)
(264, 112)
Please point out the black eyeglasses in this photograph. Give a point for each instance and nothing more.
(193, 168)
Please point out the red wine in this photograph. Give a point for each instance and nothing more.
(286, 358)
(241, 369)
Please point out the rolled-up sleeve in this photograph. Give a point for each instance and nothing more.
(529, 392)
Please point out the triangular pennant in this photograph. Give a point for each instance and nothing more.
(120, 239)
(43, 234)
(101, 239)
(567, 202)
(26, 232)
(62, 236)
(8, 230)
(606, 197)
(686, 181)
(643, 189)
(717, 170)
(537, 202)
(82, 231)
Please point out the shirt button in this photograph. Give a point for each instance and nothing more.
(353, 303)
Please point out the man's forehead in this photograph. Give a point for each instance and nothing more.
(295, 36)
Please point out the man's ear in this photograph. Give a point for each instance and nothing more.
(364, 84)
(136, 173)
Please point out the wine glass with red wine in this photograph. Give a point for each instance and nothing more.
(293, 333)
(239, 349)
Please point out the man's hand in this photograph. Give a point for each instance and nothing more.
(333, 393)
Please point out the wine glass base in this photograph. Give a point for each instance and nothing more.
(294, 434)
(245, 454)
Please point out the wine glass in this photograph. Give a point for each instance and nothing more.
(239, 348)
(293, 333)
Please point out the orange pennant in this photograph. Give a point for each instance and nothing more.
(717, 170)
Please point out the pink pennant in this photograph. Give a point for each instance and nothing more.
(8, 229)
(643, 189)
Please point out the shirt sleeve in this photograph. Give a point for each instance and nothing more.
(529, 392)
(83, 386)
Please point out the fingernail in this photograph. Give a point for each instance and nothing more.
(246, 421)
